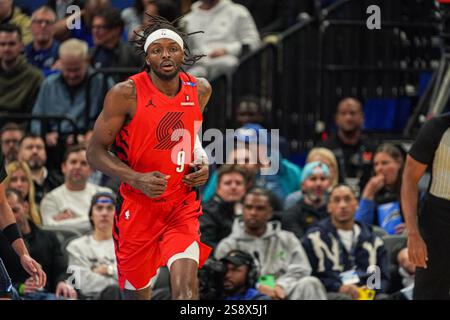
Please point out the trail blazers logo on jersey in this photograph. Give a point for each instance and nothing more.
(168, 124)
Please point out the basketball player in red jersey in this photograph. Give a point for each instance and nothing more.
(156, 222)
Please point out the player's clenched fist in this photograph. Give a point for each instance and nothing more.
(198, 177)
(153, 184)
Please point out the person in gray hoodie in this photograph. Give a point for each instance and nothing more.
(284, 268)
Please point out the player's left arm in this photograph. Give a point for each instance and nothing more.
(200, 176)
(10, 230)
(204, 92)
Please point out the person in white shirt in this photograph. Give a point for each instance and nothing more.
(228, 29)
(92, 256)
(69, 203)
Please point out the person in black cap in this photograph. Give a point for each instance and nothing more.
(241, 277)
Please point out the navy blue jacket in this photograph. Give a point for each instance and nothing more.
(329, 258)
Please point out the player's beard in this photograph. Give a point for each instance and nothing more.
(167, 76)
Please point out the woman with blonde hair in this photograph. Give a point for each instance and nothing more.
(19, 178)
(324, 156)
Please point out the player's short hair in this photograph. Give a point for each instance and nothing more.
(156, 23)
(74, 47)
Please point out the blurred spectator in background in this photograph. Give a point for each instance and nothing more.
(250, 110)
(229, 31)
(220, 212)
(11, 14)
(32, 151)
(327, 157)
(46, 248)
(83, 31)
(271, 16)
(134, 16)
(10, 136)
(353, 151)
(93, 255)
(252, 152)
(284, 267)
(43, 51)
(380, 201)
(69, 203)
(19, 81)
(241, 277)
(324, 156)
(312, 207)
(19, 178)
(253, 110)
(65, 93)
(109, 50)
(342, 252)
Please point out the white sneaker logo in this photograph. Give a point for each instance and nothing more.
(127, 215)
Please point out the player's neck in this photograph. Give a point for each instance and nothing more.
(169, 88)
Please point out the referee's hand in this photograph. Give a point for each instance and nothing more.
(417, 250)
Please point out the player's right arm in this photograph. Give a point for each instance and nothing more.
(120, 105)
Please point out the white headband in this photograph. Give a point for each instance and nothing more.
(163, 34)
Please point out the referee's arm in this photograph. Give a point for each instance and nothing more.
(412, 173)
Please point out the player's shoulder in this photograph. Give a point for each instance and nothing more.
(123, 93)
(204, 86)
(124, 87)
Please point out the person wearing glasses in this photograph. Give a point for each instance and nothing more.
(43, 51)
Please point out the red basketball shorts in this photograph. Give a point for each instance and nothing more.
(148, 232)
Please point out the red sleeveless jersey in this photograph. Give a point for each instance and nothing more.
(161, 135)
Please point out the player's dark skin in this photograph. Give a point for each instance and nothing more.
(164, 56)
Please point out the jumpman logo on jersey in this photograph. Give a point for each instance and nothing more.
(150, 104)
